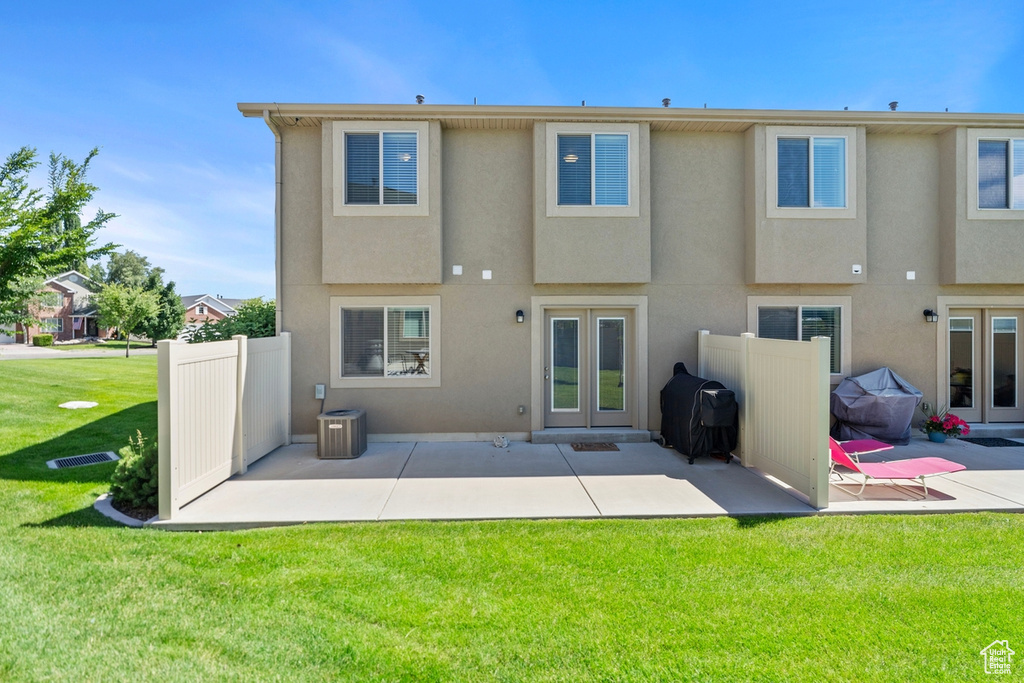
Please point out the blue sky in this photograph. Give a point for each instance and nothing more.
(155, 85)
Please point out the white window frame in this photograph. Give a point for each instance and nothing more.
(631, 131)
(772, 135)
(200, 309)
(53, 325)
(843, 303)
(433, 303)
(975, 135)
(422, 205)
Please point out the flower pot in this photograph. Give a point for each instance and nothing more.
(937, 437)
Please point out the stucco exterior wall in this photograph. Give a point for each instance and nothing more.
(705, 194)
(604, 248)
(382, 247)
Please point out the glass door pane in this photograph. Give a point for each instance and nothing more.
(1004, 362)
(565, 364)
(611, 364)
(961, 362)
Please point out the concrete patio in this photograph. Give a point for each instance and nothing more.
(445, 481)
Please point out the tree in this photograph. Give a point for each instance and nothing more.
(130, 269)
(125, 308)
(169, 318)
(42, 234)
(255, 318)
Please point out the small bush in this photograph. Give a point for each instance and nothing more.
(136, 478)
(42, 340)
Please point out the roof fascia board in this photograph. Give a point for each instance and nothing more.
(622, 114)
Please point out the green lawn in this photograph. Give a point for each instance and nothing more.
(867, 598)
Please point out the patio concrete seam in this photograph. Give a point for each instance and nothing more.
(988, 493)
(582, 485)
(397, 479)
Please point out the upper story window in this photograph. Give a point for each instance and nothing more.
(200, 310)
(812, 172)
(380, 168)
(51, 299)
(1001, 173)
(592, 170)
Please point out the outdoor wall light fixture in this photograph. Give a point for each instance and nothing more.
(519, 316)
(931, 316)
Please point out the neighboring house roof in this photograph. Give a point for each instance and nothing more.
(225, 306)
(74, 278)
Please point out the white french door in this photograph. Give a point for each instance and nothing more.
(985, 356)
(589, 368)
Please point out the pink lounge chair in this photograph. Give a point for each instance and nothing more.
(846, 454)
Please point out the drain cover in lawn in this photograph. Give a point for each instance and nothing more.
(993, 442)
(594, 447)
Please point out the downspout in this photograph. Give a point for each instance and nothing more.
(277, 220)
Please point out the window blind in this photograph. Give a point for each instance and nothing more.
(400, 168)
(362, 168)
(777, 322)
(362, 348)
(611, 170)
(822, 321)
(992, 183)
(1017, 183)
(830, 172)
(574, 170)
(793, 180)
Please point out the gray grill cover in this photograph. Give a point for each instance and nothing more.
(879, 405)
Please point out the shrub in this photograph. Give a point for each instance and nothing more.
(255, 319)
(136, 478)
(42, 340)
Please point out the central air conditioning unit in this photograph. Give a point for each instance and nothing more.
(341, 434)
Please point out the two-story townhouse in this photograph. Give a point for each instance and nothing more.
(64, 309)
(465, 271)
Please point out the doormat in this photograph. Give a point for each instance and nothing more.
(996, 442)
(594, 447)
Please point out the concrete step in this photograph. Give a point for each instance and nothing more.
(599, 435)
(1006, 430)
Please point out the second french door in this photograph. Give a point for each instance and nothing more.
(589, 368)
(985, 355)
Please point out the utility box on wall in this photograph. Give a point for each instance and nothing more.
(341, 434)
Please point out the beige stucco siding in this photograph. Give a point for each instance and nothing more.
(698, 251)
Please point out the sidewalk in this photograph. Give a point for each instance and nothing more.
(26, 352)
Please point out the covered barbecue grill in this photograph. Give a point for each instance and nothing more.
(698, 416)
(878, 405)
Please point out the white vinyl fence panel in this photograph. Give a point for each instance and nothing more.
(783, 389)
(265, 398)
(222, 405)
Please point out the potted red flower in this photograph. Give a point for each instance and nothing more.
(942, 424)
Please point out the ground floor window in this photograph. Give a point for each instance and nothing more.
(385, 341)
(53, 325)
(800, 319)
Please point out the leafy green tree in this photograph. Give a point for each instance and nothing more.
(94, 271)
(255, 318)
(169, 319)
(130, 269)
(41, 234)
(125, 308)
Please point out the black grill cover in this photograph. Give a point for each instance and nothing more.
(878, 405)
(698, 416)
